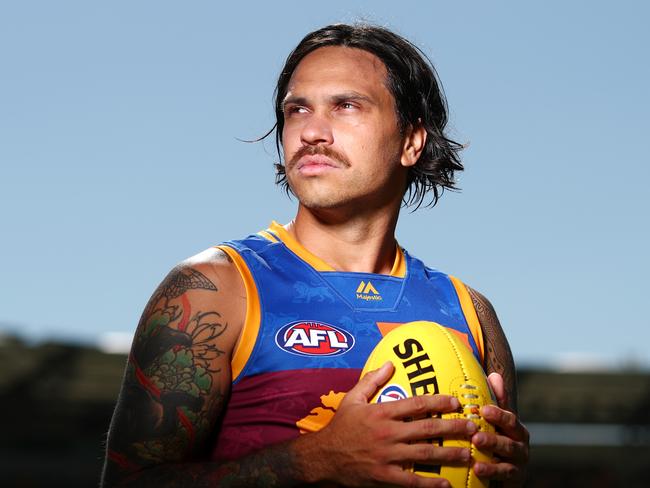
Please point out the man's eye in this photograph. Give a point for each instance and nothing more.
(348, 105)
(295, 109)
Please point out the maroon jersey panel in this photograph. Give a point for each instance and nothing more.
(266, 408)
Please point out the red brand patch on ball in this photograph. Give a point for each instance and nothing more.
(314, 339)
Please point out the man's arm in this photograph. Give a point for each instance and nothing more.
(175, 391)
(177, 381)
(498, 357)
(510, 443)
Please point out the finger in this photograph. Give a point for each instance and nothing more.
(507, 422)
(498, 471)
(428, 428)
(419, 406)
(396, 475)
(432, 454)
(502, 446)
(498, 387)
(369, 384)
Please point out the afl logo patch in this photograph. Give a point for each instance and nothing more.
(390, 393)
(314, 339)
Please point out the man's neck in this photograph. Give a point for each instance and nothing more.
(363, 244)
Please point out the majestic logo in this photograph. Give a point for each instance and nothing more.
(365, 291)
(390, 393)
(314, 339)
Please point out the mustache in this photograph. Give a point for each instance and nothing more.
(321, 151)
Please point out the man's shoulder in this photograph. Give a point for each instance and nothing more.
(212, 256)
(211, 270)
(214, 264)
(483, 305)
(208, 281)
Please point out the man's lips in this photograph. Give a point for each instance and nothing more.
(316, 165)
(316, 161)
(313, 160)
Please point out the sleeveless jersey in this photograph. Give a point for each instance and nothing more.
(309, 330)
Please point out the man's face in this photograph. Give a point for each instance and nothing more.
(341, 140)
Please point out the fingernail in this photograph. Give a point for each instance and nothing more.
(466, 456)
(471, 427)
(455, 404)
(487, 409)
(479, 469)
(386, 366)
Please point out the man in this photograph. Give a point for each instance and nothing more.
(244, 352)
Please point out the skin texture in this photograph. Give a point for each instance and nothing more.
(340, 137)
(347, 162)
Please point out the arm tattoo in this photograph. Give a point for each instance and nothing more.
(177, 282)
(271, 467)
(172, 397)
(498, 357)
(171, 387)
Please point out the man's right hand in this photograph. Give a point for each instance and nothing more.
(367, 444)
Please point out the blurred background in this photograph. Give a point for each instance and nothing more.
(121, 154)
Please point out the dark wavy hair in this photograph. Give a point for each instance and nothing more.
(418, 95)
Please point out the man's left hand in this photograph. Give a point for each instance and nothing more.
(509, 444)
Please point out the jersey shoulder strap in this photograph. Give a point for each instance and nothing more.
(467, 305)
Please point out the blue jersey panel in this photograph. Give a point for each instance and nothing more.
(325, 319)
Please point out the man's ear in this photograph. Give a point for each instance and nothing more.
(414, 141)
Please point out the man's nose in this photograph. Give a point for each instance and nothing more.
(317, 130)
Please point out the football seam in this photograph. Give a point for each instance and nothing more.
(458, 356)
(466, 378)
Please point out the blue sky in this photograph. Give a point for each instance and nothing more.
(119, 156)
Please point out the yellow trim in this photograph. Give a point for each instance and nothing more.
(470, 315)
(315, 262)
(399, 266)
(267, 235)
(249, 332)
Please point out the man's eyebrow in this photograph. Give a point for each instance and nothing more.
(334, 99)
(352, 96)
(293, 100)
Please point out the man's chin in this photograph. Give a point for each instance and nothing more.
(323, 202)
(317, 197)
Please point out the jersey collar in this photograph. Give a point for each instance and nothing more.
(277, 232)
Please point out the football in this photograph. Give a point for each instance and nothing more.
(430, 359)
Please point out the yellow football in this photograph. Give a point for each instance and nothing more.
(430, 359)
